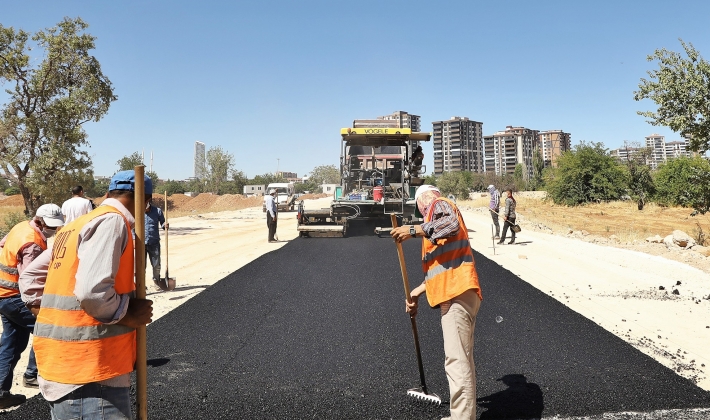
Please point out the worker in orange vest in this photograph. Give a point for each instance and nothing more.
(450, 283)
(85, 334)
(20, 247)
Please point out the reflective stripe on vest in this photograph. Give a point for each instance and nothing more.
(448, 264)
(71, 346)
(19, 237)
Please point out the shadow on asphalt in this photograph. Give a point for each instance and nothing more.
(521, 400)
(157, 362)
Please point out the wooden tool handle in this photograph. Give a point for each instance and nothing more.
(402, 265)
(165, 203)
(405, 280)
(141, 338)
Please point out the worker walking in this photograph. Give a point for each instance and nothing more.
(154, 221)
(271, 214)
(24, 242)
(450, 283)
(509, 217)
(85, 334)
(77, 205)
(494, 208)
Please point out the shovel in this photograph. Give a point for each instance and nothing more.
(168, 283)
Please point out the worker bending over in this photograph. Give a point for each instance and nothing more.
(450, 283)
(85, 334)
(24, 242)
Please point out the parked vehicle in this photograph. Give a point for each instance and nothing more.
(285, 196)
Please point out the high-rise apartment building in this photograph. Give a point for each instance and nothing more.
(552, 144)
(676, 149)
(505, 149)
(199, 169)
(405, 120)
(657, 145)
(458, 145)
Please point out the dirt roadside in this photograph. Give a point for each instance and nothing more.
(616, 288)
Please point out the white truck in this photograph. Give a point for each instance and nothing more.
(285, 195)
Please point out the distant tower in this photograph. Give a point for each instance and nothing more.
(151, 161)
(199, 164)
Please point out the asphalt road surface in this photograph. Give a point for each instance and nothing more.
(317, 330)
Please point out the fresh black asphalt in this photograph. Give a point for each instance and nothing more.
(317, 330)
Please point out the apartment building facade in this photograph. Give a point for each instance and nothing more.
(552, 144)
(405, 120)
(505, 149)
(657, 146)
(458, 145)
(676, 149)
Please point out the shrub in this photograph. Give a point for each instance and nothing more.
(586, 174)
(9, 221)
(677, 182)
(12, 191)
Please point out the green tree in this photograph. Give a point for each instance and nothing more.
(266, 179)
(641, 184)
(456, 183)
(49, 101)
(430, 179)
(239, 179)
(677, 182)
(98, 188)
(681, 89)
(129, 163)
(537, 182)
(171, 187)
(55, 189)
(219, 165)
(586, 174)
(324, 174)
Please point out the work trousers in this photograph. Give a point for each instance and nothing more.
(494, 215)
(458, 323)
(17, 324)
(93, 402)
(152, 253)
(271, 223)
(506, 225)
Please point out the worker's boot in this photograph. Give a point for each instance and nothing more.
(30, 382)
(10, 400)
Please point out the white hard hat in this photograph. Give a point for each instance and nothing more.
(51, 214)
(272, 191)
(424, 188)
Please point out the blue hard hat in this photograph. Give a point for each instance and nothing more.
(126, 180)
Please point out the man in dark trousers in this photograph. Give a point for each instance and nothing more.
(271, 214)
(154, 220)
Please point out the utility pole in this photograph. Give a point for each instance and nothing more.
(278, 161)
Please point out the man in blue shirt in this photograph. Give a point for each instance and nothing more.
(153, 218)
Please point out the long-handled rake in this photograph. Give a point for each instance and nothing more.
(419, 393)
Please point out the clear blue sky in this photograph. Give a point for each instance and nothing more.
(270, 80)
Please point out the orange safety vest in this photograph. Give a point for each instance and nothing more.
(20, 236)
(71, 346)
(449, 269)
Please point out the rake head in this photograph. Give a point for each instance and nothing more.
(423, 396)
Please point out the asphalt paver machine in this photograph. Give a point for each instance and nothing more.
(380, 169)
